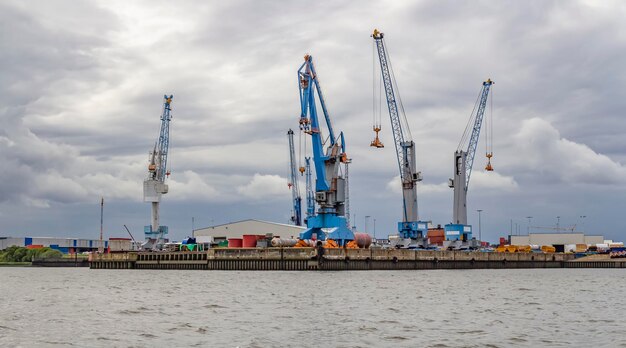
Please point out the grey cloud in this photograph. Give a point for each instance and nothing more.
(81, 101)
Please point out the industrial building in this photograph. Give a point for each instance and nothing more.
(64, 245)
(556, 239)
(251, 226)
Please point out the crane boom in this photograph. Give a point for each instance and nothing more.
(293, 183)
(330, 221)
(154, 186)
(478, 121)
(404, 145)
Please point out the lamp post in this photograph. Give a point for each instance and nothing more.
(558, 221)
(374, 229)
(193, 229)
(366, 217)
(528, 227)
(480, 238)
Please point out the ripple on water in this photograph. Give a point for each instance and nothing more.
(225, 309)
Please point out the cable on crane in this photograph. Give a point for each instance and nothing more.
(376, 117)
(489, 140)
(469, 126)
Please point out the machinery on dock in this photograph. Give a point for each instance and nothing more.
(329, 223)
(459, 233)
(154, 185)
(412, 231)
(296, 217)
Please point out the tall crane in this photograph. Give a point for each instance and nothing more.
(410, 228)
(296, 218)
(330, 220)
(463, 163)
(154, 185)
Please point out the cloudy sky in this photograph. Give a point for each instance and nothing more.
(83, 82)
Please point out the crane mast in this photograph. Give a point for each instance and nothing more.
(330, 220)
(410, 227)
(154, 185)
(463, 164)
(310, 195)
(296, 218)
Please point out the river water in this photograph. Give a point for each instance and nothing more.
(55, 307)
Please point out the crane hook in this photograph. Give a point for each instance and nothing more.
(489, 168)
(376, 142)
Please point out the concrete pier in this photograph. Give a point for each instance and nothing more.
(306, 259)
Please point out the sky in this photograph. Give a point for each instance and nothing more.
(83, 82)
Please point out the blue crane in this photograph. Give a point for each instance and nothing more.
(410, 227)
(296, 218)
(330, 220)
(463, 163)
(154, 186)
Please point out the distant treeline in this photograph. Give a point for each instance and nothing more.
(21, 254)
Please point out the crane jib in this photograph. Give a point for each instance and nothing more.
(396, 125)
(164, 139)
(473, 143)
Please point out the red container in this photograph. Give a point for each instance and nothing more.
(235, 242)
(34, 246)
(249, 240)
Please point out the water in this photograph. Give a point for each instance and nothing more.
(58, 307)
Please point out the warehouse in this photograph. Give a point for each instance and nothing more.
(250, 226)
(64, 245)
(556, 239)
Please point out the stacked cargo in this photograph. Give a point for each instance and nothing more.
(436, 236)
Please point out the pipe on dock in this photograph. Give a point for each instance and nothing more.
(283, 242)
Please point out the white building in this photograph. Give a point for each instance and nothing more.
(556, 239)
(251, 226)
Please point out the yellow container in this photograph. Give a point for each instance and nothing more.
(511, 248)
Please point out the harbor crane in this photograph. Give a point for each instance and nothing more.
(330, 222)
(412, 231)
(154, 185)
(296, 218)
(459, 230)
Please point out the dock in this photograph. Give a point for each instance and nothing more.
(312, 259)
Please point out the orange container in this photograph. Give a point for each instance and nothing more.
(436, 236)
(34, 246)
(235, 242)
(249, 240)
